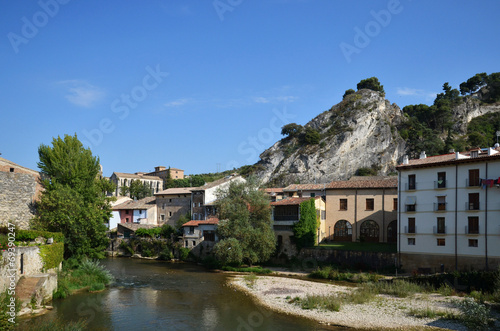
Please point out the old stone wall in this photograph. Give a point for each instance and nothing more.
(32, 264)
(352, 259)
(18, 191)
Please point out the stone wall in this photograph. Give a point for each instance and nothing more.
(18, 191)
(352, 259)
(32, 264)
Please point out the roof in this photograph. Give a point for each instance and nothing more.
(216, 183)
(304, 187)
(10, 163)
(291, 201)
(135, 226)
(177, 190)
(273, 190)
(452, 158)
(125, 175)
(120, 200)
(388, 182)
(210, 221)
(145, 203)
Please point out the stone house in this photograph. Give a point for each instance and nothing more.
(362, 209)
(20, 187)
(285, 213)
(163, 172)
(172, 204)
(120, 179)
(449, 211)
(200, 236)
(274, 194)
(141, 211)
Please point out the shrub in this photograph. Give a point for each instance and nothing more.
(250, 279)
(399, 288)
(166, 254)
(475, 315)
(183, 253)
(331, 302)
(52, 255)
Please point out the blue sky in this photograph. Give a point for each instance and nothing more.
(207, 85)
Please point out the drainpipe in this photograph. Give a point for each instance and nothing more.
(383, 215)
(456, 217)
(356, 213)
(486, 223)
(399, 218)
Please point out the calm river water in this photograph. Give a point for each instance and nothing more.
(153, 295)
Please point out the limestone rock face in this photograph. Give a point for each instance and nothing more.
(468, 110)
(359, 132)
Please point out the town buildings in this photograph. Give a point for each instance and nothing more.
(138, 211)
(164, 173)
(154, 183)
(200, 235)
(449, 211)
(362, 209)
(172, 204)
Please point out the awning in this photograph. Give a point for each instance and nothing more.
(411, 201)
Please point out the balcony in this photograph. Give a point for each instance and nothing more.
(410, 229)
(440, 184)
(472, 206)
(410, 186)
(440, 230)
(471, 230)
(286, 217)
(411, 208)
(472, 182)
(440, 206)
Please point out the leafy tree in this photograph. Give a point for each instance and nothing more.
(371, 83)
(304, 230)
(245, 216)
(183, 219)
(124, 190)
(366, 172)
(74, 201)
(347, 92)
(139, 190)
(229, 251)
(292, 130)
(312, 136)
(474, 83)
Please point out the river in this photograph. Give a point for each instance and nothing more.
(155, 295)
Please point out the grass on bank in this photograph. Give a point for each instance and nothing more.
(55, 325)
(89, 274)
(360, 247)
(255, 270)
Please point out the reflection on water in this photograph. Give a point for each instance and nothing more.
(153, 295)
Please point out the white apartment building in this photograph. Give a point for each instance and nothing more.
(449, 212)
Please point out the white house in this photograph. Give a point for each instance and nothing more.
(449, 211)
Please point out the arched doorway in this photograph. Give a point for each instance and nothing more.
(342, 231)
(392, 232)
(369, 231)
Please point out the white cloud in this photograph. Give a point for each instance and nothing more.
(177, 103)
(406, 91)
(286, 98)
(81, 93)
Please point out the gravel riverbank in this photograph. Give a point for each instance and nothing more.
(384, 312)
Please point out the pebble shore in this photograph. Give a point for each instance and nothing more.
(385, 312)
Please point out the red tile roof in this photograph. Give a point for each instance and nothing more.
(175, 191)
(451, 158)
(389, 182)
(273, 190)
(301, 187)
(210, 221)
(145, 203)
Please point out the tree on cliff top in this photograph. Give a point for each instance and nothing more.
(74, 201)
(245, 225)
(371, 83)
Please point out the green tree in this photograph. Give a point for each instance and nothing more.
(305, 229)
(347, 92)
(292, 130)
(229, 251)
(371, 83)
(312, 136)
(245, 216)
(74, 201)
(139, 190)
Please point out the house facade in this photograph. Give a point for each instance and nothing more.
(163, 173)
(305, 190)
(138, 211)
(200, 236)
(285, 213)
(274, 194)
(449, 215)
(120, 179)
(172, 204)
(362, 209)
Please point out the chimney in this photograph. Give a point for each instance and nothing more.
(422, 155)
(457, 155)
(406, 160)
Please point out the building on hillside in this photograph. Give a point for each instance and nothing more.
(138, 211)
(362, 209)
(285, 213)
(163, 173)
(275, 194)
(20, 187)
(203, 197)
(204, 232)
(154, 183)
(115, 214)
(172, 204)
(449, 215)
(305, 190)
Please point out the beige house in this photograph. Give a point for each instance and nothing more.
(305, 190)
(163, 172)
(172, 204)
(138, 211)
(363, 208)
(120, 179)
(274, 194)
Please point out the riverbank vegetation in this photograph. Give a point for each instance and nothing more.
(85, 275)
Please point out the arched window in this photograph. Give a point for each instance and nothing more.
(392, 232)
(342, 231)
(369, 231)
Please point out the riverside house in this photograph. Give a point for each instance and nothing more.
(173, 203)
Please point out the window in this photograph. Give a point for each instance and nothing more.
(441, 225)
(194, 242)
(412, 182)
(162, 217)
(169, 213)
(411, 241)
(473, 201)
(191, 229)
(209, 235)
(11, 169)
(441, 242)
(126, 211)
(343, 204)
(473, 177)
(369, 204)
(441, 180)
(473, 243)
(163, 207)
(186, 244)
(473, 225)
(313, 195)
(411, 225)
(441, 203)
(411, 204)
(395, 204)
(169, 200)
(127, 220)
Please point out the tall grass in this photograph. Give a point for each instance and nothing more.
(56, 325)
(334, 274)
(399, 288)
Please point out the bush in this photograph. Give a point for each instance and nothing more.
(399, 288)
(166, 254)
(29, 235)
(257, 270)
(331, 302)
(475, 315)
(52, 255)
(183, 253)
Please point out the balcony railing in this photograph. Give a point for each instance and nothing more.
(472, 230)
(440, 230)
(440, 206)
(410, 186)
(286, 217)
(411, 208)
(440, 184)
(471, 183)
(471, 206)
(410, 230)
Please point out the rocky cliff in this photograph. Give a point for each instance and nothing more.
(471, 108)
(359, 132)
